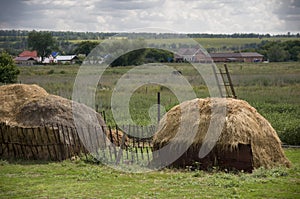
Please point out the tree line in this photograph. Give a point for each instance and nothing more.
(277, 51)
(65, 35)
(46, 42)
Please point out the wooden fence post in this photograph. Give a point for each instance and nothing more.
(158, 107)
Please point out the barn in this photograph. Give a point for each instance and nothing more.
(237, 57)
(27, 58)
(63, 59)
(197, 55)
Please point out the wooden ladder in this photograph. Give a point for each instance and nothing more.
(227, 83)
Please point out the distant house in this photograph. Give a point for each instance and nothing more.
(197, 55)
(63, 59)
(237, 57)
(225, 57)
(27, 58)
(252, 57)
(190, 55)
(48, 60)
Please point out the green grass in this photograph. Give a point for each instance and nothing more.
(273, 89)
(78, 179)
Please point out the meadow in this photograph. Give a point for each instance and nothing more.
(272, 88)
(207, 42)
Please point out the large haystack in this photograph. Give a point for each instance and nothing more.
(247, 139)
(31, 106)
(30, 117)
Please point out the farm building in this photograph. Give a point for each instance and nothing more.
(252, 57)
(196, 55)
(190, 55)
(63, 59)
(27, 58)
(237, 57)
(246, 141)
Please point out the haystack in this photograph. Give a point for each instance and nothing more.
(30, 117)
(246, 141)
(31, 106)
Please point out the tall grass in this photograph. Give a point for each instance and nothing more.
(273, 89)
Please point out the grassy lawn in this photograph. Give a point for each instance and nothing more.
(80, 179)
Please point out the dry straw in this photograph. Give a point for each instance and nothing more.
(31, 107)
(247, 140)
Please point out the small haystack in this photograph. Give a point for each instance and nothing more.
(34, 121)
(247, 139)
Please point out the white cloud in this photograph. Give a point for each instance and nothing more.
(215, 16)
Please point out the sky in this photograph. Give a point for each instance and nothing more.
(184, 16)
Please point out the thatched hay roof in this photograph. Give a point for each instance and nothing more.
(14, 96)
(242, 125)
(31, 106)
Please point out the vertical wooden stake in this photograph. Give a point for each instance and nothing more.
(158, 107)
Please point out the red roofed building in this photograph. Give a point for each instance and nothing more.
(27, 58)
(28, 53)
(191, 55)
(237, 57)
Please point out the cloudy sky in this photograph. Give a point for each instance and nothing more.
(204, 16)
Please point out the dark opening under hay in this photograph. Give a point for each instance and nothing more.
(247, 139)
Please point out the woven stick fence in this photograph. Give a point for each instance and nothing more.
(125, 144)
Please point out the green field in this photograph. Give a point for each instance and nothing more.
(218, 43)
(273, 88)
(81, 179)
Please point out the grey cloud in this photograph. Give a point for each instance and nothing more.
(12, 10)
(289, 11)
(182, 15)
(213, 5)
(287, 8)
(127, 4)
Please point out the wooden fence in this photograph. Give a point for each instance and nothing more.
(125, 144)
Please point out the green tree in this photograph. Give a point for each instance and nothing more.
(158, 55)
(277, 53)
(85, 47)
(125, 58)
(42, 42)
(8, 70)
(135, 57)
(293, 47)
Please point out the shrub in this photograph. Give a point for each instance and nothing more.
(50, 72)
(8, 70)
